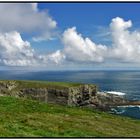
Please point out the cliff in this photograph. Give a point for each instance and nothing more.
(21, 117)
(71, 94)
(51, 92)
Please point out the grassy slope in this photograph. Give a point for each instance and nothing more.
(42, 84)
(26, 118)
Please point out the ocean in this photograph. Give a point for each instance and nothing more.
(127, 82)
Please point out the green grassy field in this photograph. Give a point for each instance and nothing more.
(27, 118)
(42, 84)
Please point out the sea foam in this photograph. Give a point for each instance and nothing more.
(115, 92)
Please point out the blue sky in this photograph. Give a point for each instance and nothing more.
(72, 14)
(70, 35)
(90, 18)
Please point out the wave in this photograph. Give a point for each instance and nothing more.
(115, 92)
(128, 106)
(131, 111)
(118, 111)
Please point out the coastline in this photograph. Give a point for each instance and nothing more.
(67, 94)
(34, 103)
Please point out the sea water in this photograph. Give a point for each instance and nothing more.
(114, 82)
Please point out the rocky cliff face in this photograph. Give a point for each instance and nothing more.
(73, 96)
(40, 94)
(80, 95)
(106, 100)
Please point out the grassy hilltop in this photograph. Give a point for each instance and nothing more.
(41, 84)
(27, 118)
(20, 117)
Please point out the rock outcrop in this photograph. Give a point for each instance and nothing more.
(81, 95)
(105, 100)
(73, 96)
(40, 94)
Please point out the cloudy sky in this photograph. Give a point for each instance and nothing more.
(70, 35)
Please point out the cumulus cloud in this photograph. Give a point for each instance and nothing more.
(16, 18)
(16, 52)
(54, 58)
(77, 48)
(126, 44)
(26, 17)
(125, 47)
(34, 6)
(119, 24)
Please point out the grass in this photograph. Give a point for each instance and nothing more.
(47, 84)
(42, 84)
(27, 118)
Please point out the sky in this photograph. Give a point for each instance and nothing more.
(69, 36)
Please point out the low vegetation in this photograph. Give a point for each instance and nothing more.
(28, 118)
(42, 84)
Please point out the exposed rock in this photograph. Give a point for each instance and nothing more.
(40, 94)
(81, 95)
(110, 99)
(105, 101)
(59, 96)
(7, 85)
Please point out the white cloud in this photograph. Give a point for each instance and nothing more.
(126, 44)
(119, 24)
(16, 52)
(77, 48)
(53, 58)
(34, 6)
(26, 17)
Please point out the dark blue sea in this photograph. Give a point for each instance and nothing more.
(127, 82)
